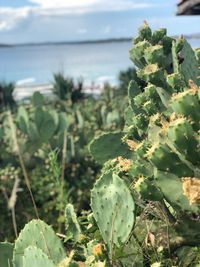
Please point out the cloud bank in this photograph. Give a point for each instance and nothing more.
(11, 18)
(84, 6)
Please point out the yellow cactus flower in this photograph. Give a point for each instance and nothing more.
(132, 144)
(191, 189)
(97, 250)
(124, 164)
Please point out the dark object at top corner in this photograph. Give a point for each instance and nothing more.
(188, 7)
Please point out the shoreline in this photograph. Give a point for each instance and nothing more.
(103, 41)
(23, 92)
(92, 42)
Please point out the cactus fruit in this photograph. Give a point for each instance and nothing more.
(113, 209)
(6, 253)
(38, 234)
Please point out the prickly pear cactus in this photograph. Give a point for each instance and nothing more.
(113, 208)
(41, 124)
(166, 116)
(37, 99)
(6, 254)
(162, 132)
(35, 257)
(38, 234)
(185, 61)
(108, 146)
(73, 230)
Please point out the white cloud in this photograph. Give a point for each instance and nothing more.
(82, 31)
(10, 18)
(63, 3)
(107, 29)
(87, 6)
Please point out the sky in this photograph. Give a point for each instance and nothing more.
(25, 21)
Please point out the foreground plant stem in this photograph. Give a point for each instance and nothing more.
(64, 157)
(21, 161)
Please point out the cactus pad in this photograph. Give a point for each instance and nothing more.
(39, 234)
(6, 254)
(35, 257)
(72, 224)
(108, 146)
(113, 208)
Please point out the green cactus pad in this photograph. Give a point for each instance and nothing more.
(166, 160)
(142, 148)
(39, 117)
(33, 132)
(176, 82)
(180, 132)
(47, 128)
(73, 230)
(108, 146)
(148, 190)
(187, 104)
(133, 133)
(37, 99)
(35, 257)
(141, 122)
(167, 45)
(145, 32)
(140, 99)
(158, 35)
(155, 54)
(152, 74)
(64, 121)
(6, 254)
(137, 53)
(139, 169)
(133, 89)
(197, 53)
(151, 92)
(189, 67)
(113, 208)
(23, 119)
(39, 234)
(172, 189)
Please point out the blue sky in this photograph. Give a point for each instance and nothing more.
(24, 21)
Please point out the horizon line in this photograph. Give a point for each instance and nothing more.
(92, 41)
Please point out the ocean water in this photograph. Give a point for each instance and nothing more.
(36, 64)
(94, 62)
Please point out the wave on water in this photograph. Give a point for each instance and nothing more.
(26, 87)
(106, 79)
(26, 81)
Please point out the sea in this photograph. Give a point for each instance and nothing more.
(94, 62)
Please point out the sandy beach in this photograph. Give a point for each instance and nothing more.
(22, 92)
